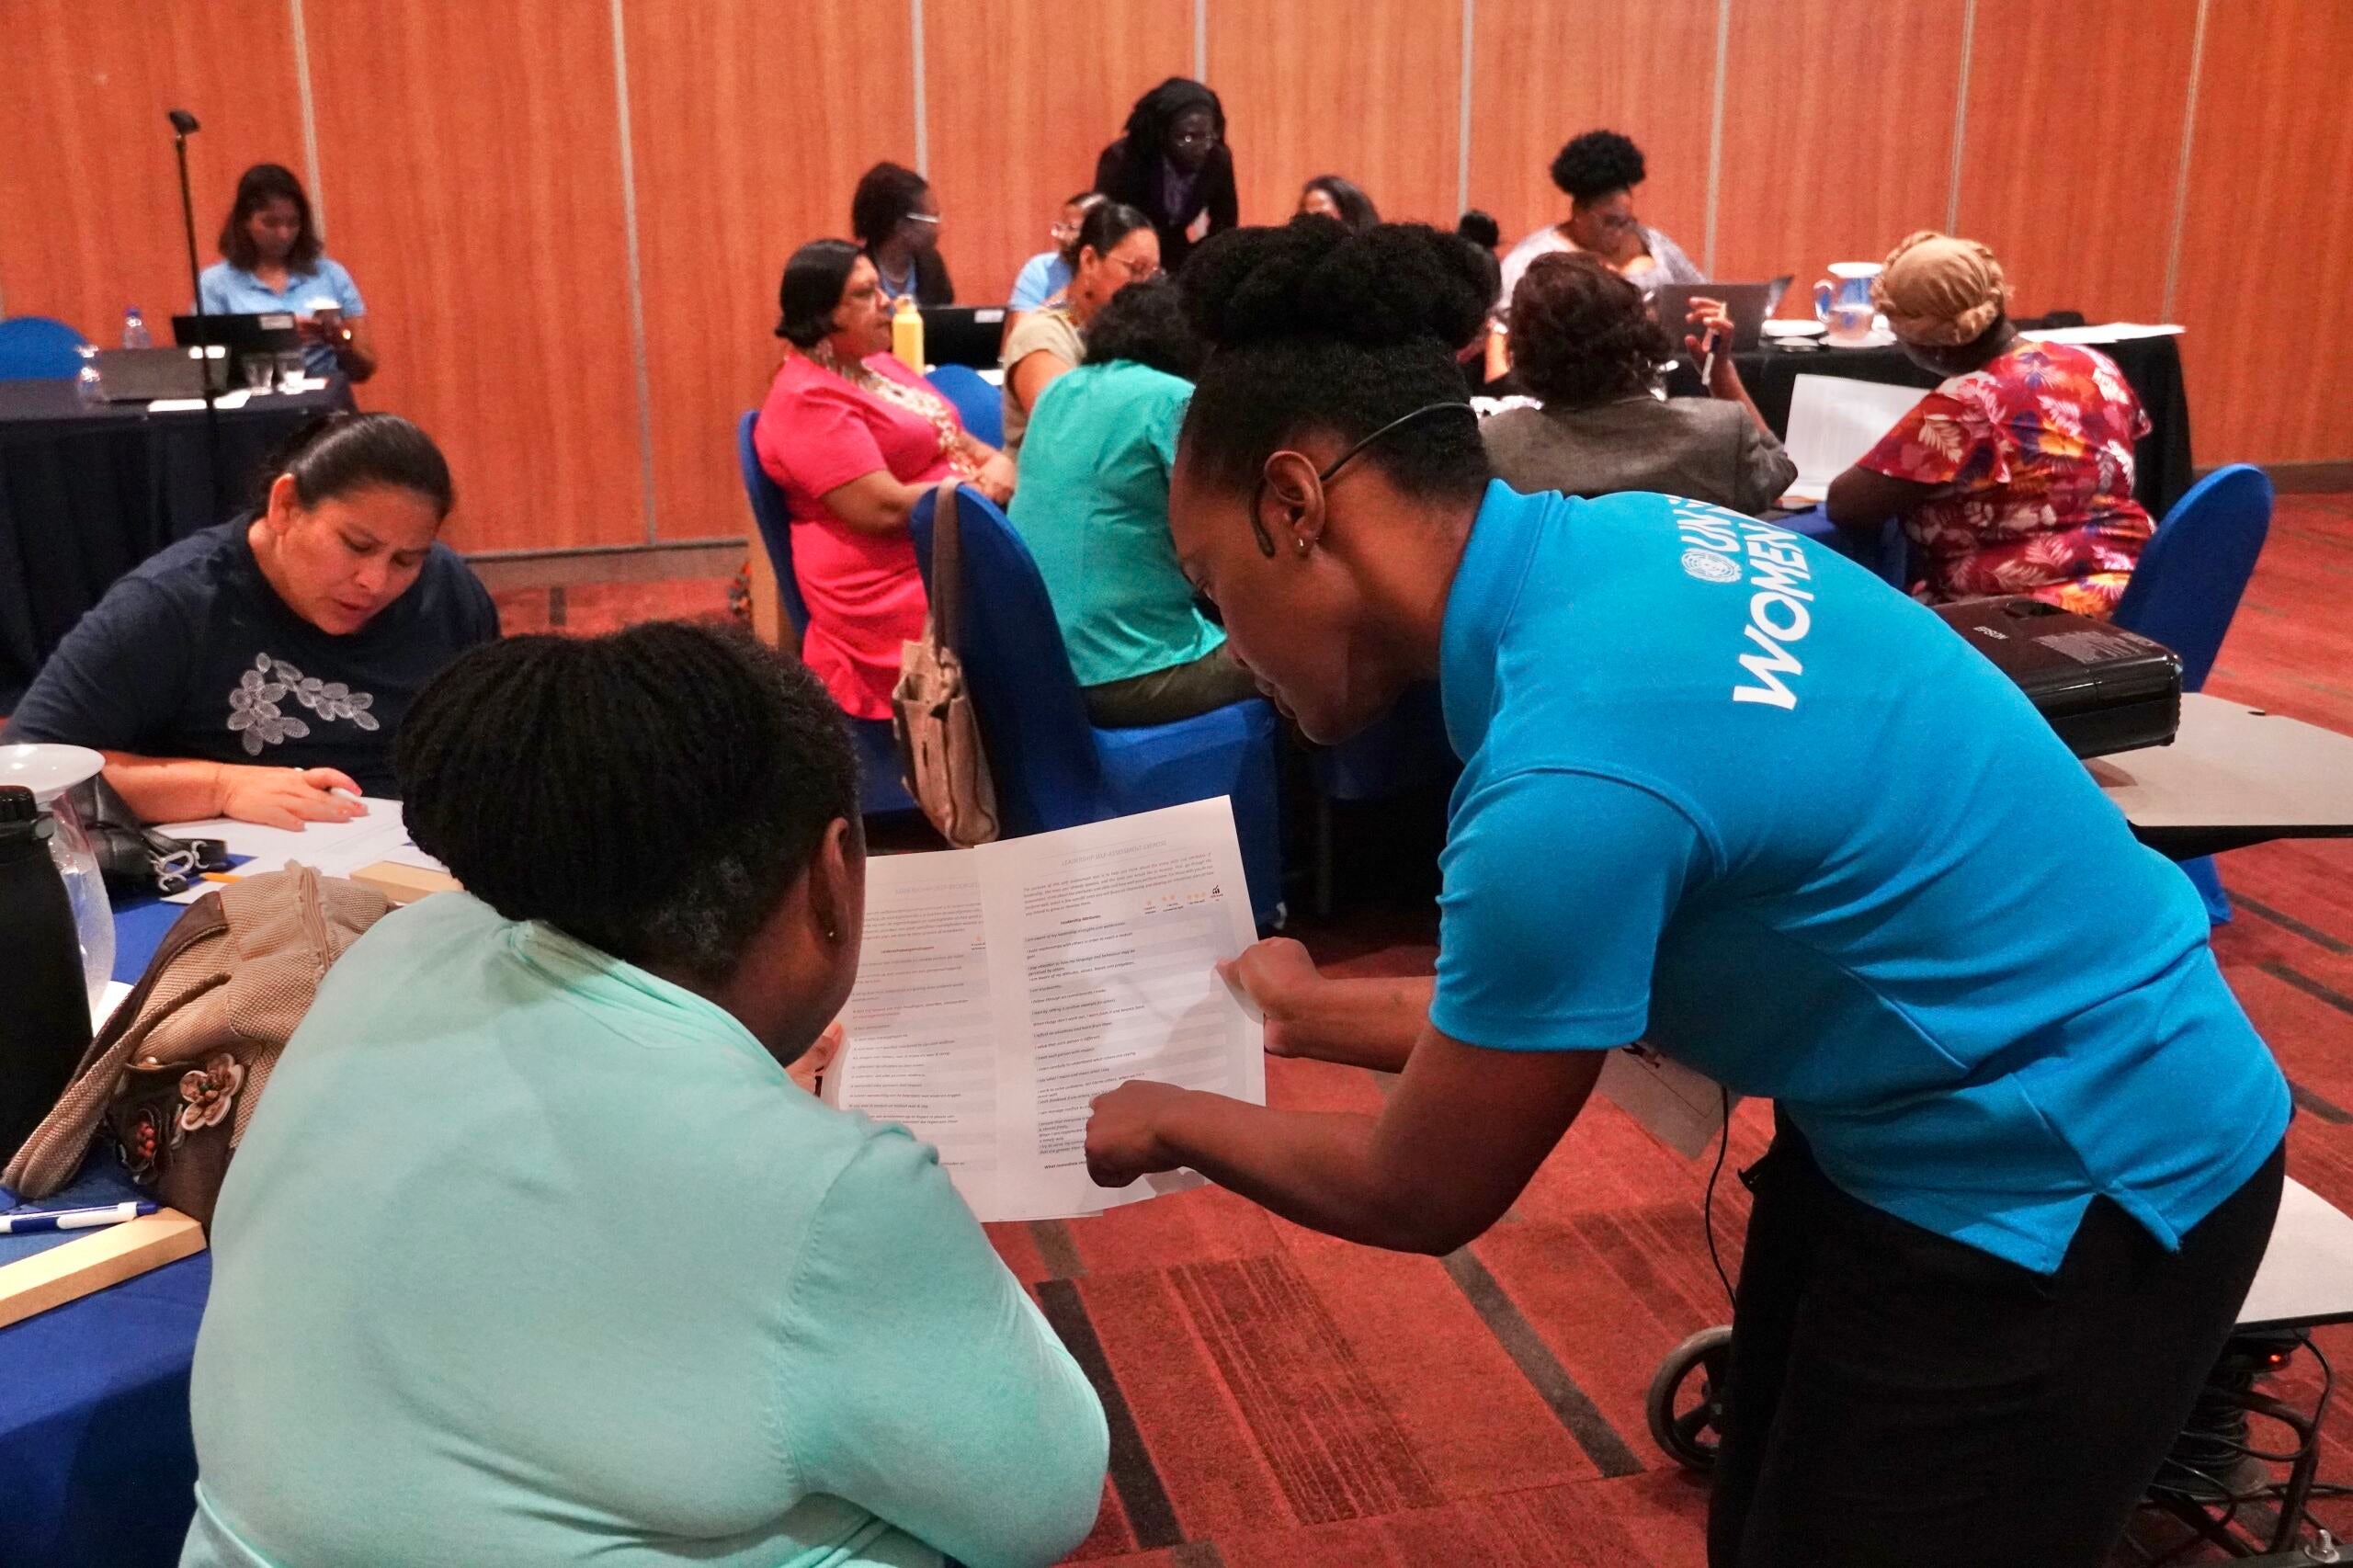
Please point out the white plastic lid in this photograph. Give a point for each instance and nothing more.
(47, 771)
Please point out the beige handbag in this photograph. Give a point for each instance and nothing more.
(931, 711)
(175, 1075)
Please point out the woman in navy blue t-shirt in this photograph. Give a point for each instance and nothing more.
(259, 670)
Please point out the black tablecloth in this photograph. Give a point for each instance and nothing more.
(2152, 366)
(87, 493)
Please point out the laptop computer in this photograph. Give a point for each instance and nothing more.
(963, 334)
(266, 332)
(1748, 303)
(146, 375)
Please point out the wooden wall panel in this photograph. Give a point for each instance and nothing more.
(2067, 172)
(470, 156)
(2269, 241)
(1022, 96)
(1367, 89)
(1543, 72)
(89, 190)
(737, 164)
(1838, 122)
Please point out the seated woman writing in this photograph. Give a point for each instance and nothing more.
(255, 669)
(1094, 510)
(854, 439)
(590, 1277)
(1584, 341)
(1116, 246)
(2016, 475)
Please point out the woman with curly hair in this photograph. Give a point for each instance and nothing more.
(2016, 475)
(1597, 172)
(1584, 341)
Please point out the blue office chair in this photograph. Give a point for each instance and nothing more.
(1051, 767)
(881, 791)
(36, 349)
(2187, 588)
(980, 405)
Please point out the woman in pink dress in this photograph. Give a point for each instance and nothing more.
(854, 439)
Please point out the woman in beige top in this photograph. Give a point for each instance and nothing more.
(1116, 246)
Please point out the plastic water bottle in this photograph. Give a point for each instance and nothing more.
(89, 391)
(134, 330)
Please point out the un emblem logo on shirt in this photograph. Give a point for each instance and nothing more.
(1710, 566)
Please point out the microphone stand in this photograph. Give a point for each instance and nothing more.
(183, 124)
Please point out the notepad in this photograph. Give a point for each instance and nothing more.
(1834, 420)
(1001, 989)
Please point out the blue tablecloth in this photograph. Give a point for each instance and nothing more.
(98, 1465)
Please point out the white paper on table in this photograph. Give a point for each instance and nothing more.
(1001, 989)
(1682, 1108)
(1834, 420)
(2104, 331)
(228, 399)
(332, 849)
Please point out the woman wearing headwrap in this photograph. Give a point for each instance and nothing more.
(2016, 475)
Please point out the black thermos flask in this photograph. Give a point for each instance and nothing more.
(44, 1002)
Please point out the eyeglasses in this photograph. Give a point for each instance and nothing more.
(1332, 471)
(1062, 233)
(928, 220)
(1195, 139)
(1137, 272)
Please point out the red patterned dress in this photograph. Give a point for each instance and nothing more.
(2032, 456)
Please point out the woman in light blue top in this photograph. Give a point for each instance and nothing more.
(1044, 276)
(1093, 508)
(272, 259)
(535, 1252)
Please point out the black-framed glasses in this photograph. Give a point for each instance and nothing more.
(1332, 471)
(1196, 138)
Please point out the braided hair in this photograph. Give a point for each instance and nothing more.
(654, 793)
(1314, 326)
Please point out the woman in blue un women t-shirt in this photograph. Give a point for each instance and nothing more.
(1729, 794)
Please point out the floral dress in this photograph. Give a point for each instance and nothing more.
(2032, 456)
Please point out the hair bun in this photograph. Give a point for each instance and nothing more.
(1313, 278)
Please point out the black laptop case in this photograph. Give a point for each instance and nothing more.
(2103, 688)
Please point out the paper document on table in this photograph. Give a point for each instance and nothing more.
(1001, 989)
(2104, 331)
(1834, 420)
(333, 849)
(1682, 1108)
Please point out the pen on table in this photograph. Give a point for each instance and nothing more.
(72, 1219)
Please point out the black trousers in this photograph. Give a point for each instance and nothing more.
(1897, 1398)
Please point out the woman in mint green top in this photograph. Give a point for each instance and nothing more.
(1093, 508)
(535, 1253)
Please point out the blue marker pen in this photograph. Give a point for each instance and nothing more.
(72, 1219)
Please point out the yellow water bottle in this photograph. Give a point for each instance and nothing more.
(906, 334)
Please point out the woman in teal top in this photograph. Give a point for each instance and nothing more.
(535, 1253)
(1093, 508)
(1727, 793)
